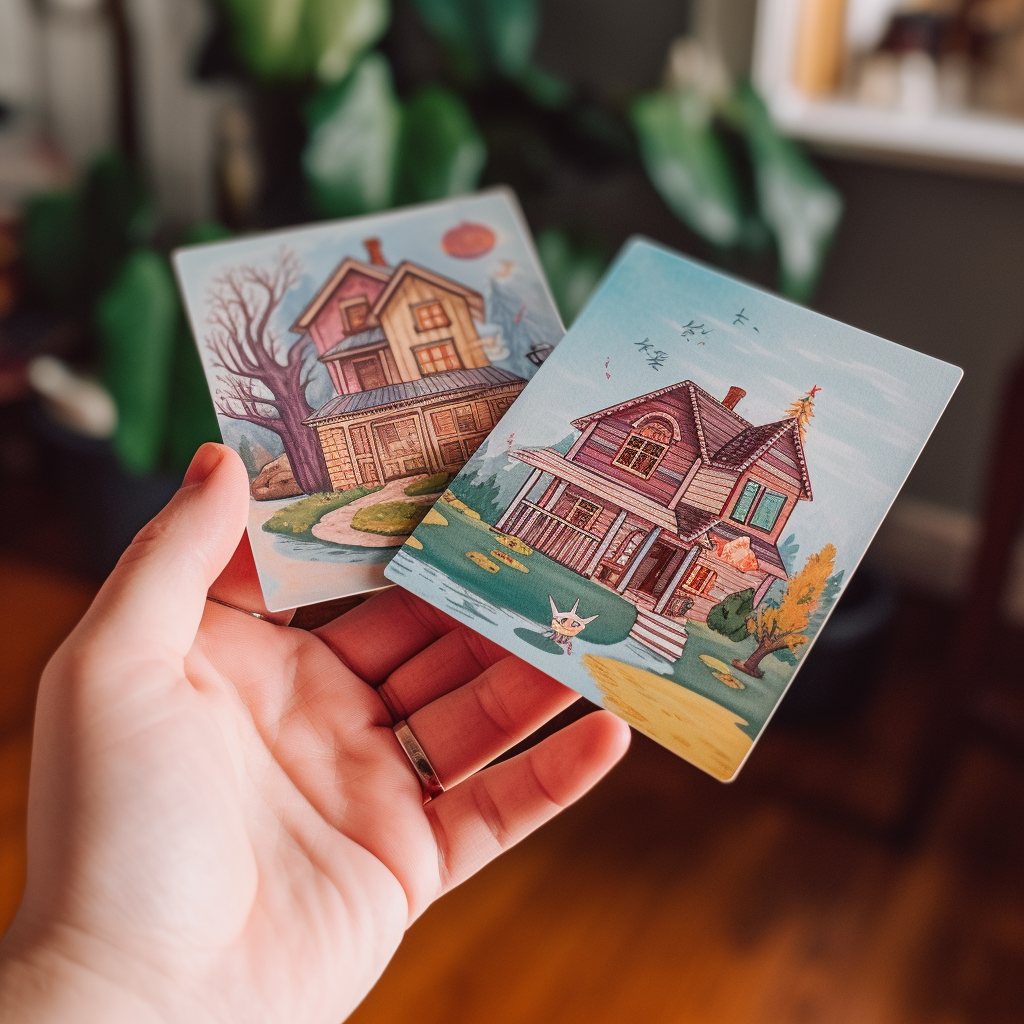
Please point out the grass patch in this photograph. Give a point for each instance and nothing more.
(433, 484)
(299, 519)
(390, 518)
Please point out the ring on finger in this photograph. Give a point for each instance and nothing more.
(429, 781)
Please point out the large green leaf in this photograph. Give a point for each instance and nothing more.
(441, 153)
(688, 164)
(798, 205)
(299, 38)
(349, 159)
(483, 35)
(137, 319)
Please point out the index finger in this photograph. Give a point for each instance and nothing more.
(384, 632)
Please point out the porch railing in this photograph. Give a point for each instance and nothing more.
(555, 537)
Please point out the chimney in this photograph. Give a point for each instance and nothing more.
(735, 394)
(374, 252)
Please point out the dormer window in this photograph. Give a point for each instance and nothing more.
(644, 448)
(355, 315)
(430, 315)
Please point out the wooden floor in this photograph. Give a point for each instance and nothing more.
(667, 897)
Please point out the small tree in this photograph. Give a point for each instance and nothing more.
(775, 629)
(248, 459)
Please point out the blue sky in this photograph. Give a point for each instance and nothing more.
(877, 406)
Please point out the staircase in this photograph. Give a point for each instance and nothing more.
(662, 635)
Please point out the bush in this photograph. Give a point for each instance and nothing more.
(300, 518)
(390, 518)
(433, 484)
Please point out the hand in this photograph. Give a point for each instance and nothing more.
(222, 825)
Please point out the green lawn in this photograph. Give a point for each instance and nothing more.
(390, 518)
(299, 519)
(433, 484)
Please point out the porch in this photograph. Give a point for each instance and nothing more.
(553, 536)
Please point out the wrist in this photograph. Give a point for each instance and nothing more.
(41, 984)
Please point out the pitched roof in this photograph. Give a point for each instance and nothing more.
(474, 299)
(749, 445)
(410, 391)
(371, 336)
(306, 317)
(712, 421)
(693, 522)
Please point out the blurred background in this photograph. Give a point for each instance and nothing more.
(865, 157)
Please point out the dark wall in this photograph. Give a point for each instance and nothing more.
(929, 259)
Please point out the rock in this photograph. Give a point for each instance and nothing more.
(275, 481)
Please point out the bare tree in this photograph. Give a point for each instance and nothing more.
(265, 382)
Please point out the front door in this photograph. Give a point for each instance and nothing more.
(370, 373)
(650, 569)
(400, 448)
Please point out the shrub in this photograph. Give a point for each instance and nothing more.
(390, 518)
(433, 484)
(300, 518)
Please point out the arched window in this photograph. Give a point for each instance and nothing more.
(628, 547)
(645, 447)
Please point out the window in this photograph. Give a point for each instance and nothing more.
(700, 579)
(451, 453)
(745, 501)
(629, 546)
(438, 358)
(644, 448)
(583, 514)
(355, 315)
(430, 315)
(464, 419)
(767, 512)
(444, 422)
(370, 373)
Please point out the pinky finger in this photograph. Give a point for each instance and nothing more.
(496, 808)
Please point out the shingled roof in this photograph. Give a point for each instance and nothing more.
(749, 445)
(448, 383)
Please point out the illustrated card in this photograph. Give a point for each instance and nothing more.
(355, 366)
(669, 512)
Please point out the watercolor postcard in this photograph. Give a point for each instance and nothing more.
(668, 513)
(355, 366)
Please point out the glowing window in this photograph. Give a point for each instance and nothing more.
(583, 514)
(356, 315)
(430, 315)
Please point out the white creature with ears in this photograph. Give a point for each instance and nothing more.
(566, 625)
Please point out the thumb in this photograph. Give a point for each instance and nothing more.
(153, 601)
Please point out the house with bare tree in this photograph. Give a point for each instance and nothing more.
(415, 389)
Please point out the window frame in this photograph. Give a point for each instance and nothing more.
(758, 487)
(757, 508)
(418, 349)
(706, 582)
(348, 304)
(418, 323)
(638, 451)
(598, 509)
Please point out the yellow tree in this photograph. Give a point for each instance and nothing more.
(802, 410)
(776, 628)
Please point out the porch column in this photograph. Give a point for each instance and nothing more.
(684, 568)
(638, 558)
(531, 482)
(765, 586)
(559, 491)
(606, 543)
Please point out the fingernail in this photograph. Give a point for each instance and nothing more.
(203, 463)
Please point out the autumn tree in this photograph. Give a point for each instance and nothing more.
(265, 381)
(775, 628)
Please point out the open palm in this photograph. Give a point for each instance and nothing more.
(223, 826)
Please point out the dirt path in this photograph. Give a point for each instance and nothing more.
(336, 526)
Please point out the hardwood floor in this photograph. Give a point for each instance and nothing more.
(668, 898)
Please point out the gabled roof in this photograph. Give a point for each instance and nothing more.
(474, 299)
(747, 447)
(709, 415)
(451, 381)
(348, 264)
(371, 336)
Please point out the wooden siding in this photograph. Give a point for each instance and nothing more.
(399, 325)
(336, 454)
(710, 489)
(720, 425)
(328, 328)
(728, 580)
(610, 434)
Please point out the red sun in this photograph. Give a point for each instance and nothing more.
(468, 241)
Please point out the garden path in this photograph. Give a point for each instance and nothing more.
(336, 526)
